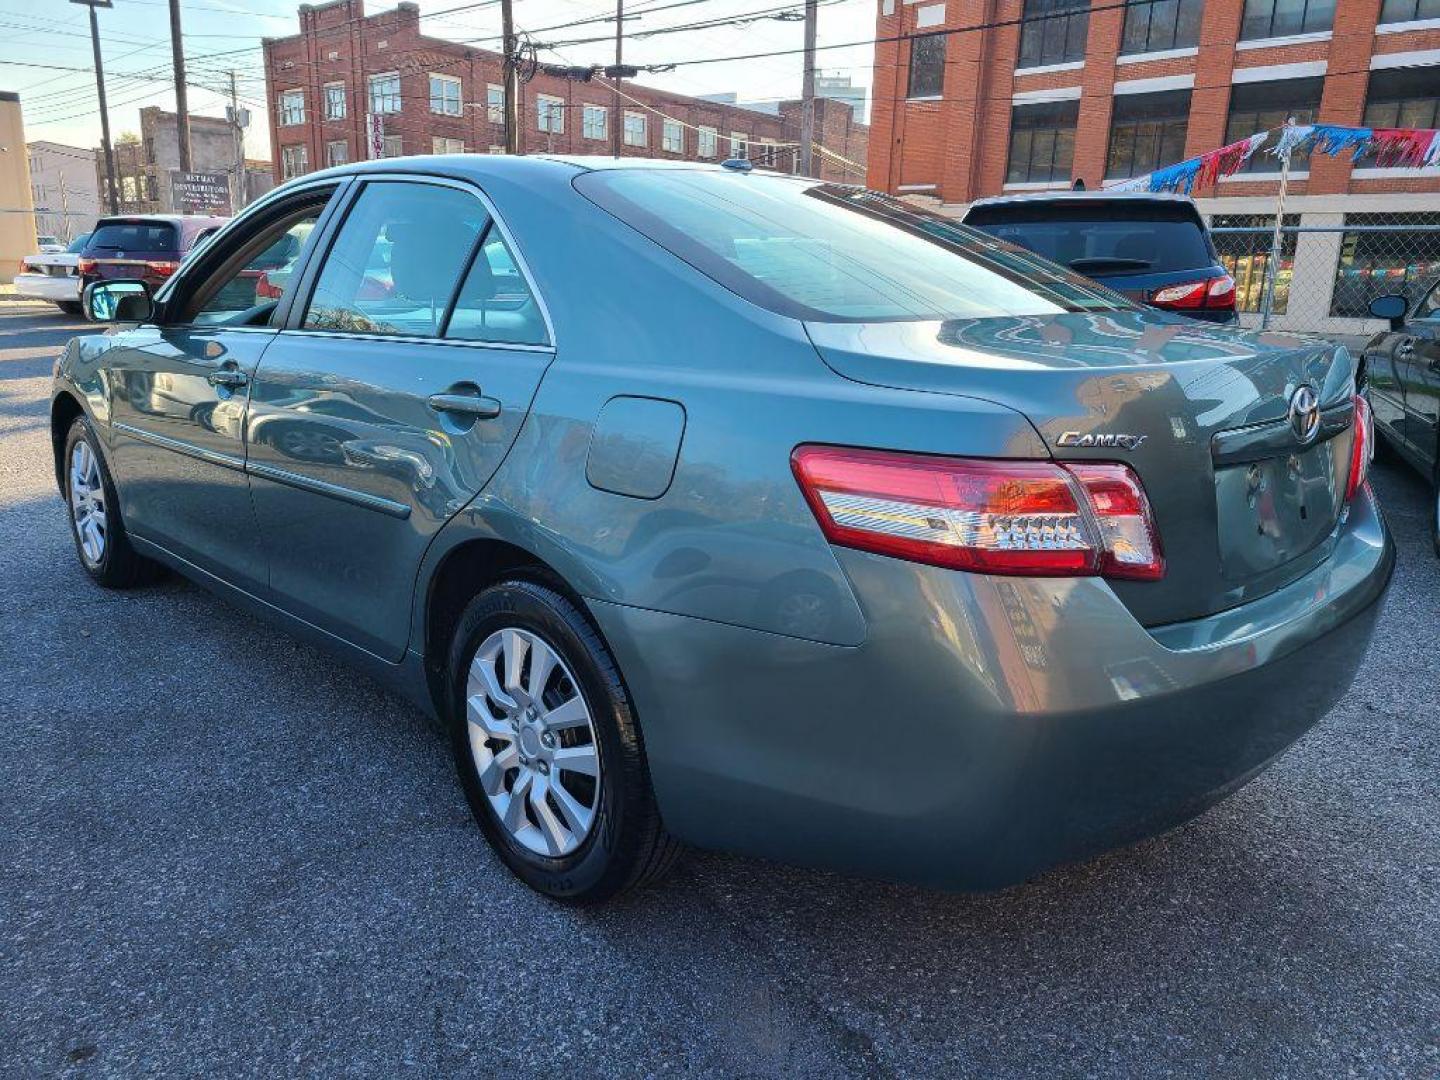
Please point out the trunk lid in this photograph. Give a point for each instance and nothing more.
(1242, 504)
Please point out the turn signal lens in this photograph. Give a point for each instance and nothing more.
(1031, 518)
(1362, 447)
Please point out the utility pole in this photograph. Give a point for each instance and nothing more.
(112, 197)
(182, 109)
(617, 118)
(237, 122)
(512, 79)
(807, 93)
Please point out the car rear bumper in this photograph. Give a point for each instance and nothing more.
(47, 287)
(988, 727)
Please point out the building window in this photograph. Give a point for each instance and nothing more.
(334, 101)
(441, 145)
(385, 93)
(495, 103)
(392, 146)
(1373, 264)
(739, 144)
(1058, 39)
(593, 121)
(1281, 18)
(1042, 142)
(337, 152)
(635, 130)
(927, 66)
(1246, 255)
(550, 114)
(1264, 106)
(445, 95)
(294, 161)
(1164, 24)
(708, 143)
(1393, 11)
(1403, 97)
(129, 189)
(292, 107)
(672, 137)
(1146, 132)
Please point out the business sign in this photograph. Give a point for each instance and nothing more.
(375, 134)
(200, 193)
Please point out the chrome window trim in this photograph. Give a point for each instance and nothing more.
(407, 339)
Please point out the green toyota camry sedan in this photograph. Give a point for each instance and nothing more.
(708, 506)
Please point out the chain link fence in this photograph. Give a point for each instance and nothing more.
(1329, 270)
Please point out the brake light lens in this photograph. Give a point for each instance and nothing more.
(1212, 293)
(1362, 447)
(1032, 518)
(161, 268)
(85, 266)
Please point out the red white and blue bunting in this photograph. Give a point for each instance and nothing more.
(1383, 148)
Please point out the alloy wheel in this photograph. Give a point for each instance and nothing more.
(87, 502)
(533, 742)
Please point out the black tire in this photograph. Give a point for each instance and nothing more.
(627, 846)
(70, 307)
(119, 566)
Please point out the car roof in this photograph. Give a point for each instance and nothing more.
(170, 219)
(560, 166)
(1037, 197)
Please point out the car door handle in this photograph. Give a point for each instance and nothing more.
(227, 377)
(481, 408)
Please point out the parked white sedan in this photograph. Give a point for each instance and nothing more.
(53, 276)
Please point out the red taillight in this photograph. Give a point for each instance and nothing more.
(161, 268)
(1213, 293)
(1362, 447)
(85, 266)
(1032, 518)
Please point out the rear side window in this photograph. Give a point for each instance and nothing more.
(397, 260)
(834, 254)
(145, 237)
(1103, 241)
(496, 303)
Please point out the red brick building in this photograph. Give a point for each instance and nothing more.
(1119, 91)
(352, 86)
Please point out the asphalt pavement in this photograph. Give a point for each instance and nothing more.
(223, 854)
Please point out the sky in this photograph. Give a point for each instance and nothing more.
(45, 51)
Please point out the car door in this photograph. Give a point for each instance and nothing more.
(179, 389)
(1417, 369)
(389, 400)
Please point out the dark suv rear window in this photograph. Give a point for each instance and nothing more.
(1103, 240)
(138, 236)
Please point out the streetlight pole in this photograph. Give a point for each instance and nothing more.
(112, 186)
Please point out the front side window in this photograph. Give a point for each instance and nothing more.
(334, 101)
(833, 253)
(635, 133)
(385, 93)
(708, 142)
(1403, 97)
(1042, 142)
(495, 303)
(1394, 11)
(927, 65)
(292, 107)
(294, 161)
(1282, 18)
(672, 137)
(396, 261)
(592, 121)
(445, 95)
(1146, 132)
(1054, 32)
(495, 103)
(1162, 25)
(337, 152)
(1265, 106)
(550, 114)
(249, 295)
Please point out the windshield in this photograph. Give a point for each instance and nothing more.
(827, 253)
(141, 237)
(1102, 241)
(78, 244)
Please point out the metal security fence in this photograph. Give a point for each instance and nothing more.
(1327, 273)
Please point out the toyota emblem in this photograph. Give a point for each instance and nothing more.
(1305, 414)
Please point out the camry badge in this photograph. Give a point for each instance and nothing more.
(1117, 441)
(1304, 414)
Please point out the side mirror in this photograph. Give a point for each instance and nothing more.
(1392, 307)
(118, 301)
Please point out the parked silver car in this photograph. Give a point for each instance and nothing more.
(750, 511)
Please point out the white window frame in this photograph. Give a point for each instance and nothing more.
(708, 142)
(590, 130)
(643, 125)
(393, 103)
(672, 136)
(739, 145)
(550, 114)
(344, 146)
(331, 99)
(447, 83)
(291, 107)
(494, 103)
(443, 144)
(294, 161)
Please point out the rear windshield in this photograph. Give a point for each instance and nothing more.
(78, 244)
(829, 253)
(1103, 241)
(137, 236)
